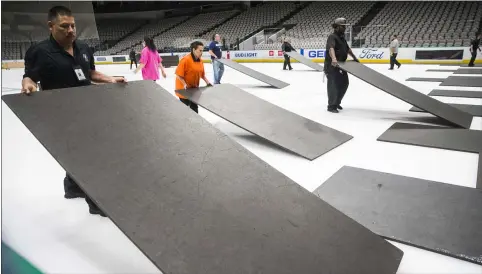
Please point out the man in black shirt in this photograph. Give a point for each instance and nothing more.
(475, 44)
(286, 47)
(63, 62)
(337, 49)
(132, 56)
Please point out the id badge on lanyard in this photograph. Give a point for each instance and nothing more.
(79, 73)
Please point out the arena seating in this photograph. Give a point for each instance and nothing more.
(182, 35)
(124, 46)
(424, 24)
(263, 15)
(114, 29)
(418, 24)
(313, 23)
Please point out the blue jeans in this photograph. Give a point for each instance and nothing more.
(218, 69)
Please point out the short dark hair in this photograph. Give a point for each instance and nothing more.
(196, 44)
(395, 35)
(477, 33)
(58, 11)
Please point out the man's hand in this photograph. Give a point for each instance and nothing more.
(164, 74)
(118, 80)
(28, 86)
(334, 62)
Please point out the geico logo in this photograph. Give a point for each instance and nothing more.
(316, 54)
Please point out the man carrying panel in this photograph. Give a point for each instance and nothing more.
(338, 50)
(61, 61)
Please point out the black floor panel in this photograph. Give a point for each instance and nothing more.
(253, 73)
(474, 110)
(439, 217)
(190, 198)
(295, 133)
(409, 95)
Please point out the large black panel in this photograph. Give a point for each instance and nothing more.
(295, 133)
(463, 81)
(440, 70)
(479, 172)
(420, 79)
(253, 73)
(435, 216)
(432, 136)
(409, 95)
(456, 93)
(475, 110)
(437, 137)
(460, 65)
(189, 197)
(468, 71)
(459, 71)
(305, 61)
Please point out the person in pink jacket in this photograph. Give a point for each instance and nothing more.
(150, 61)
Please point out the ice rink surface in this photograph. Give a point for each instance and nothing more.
(60, 236)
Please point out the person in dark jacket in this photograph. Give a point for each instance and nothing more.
(474, 45)
(132, 57)
(337, 49)
(286, 47)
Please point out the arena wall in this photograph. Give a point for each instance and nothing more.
(453, 55)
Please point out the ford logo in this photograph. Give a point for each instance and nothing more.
(371, 54)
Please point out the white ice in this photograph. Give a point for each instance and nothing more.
(60, 236)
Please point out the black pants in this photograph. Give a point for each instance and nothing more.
(472, 60)
(287, 62)
(393, 60)
(336, 87)
(71, 187)
(190, 104)
(133, 61)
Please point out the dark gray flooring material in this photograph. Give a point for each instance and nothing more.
(456, 93)
(432, 136)
(468, 71)
(409, 95)
(295, 133)
(463, 81)
(421, 79)
(460, 65)
(475, 110)
(431, 215)
(459, 71)
(255, 74)
(464, 140)
(479, 172)
(305, 61)
(192, 199)
(440, 70)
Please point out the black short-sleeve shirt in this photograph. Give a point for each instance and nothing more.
(50, 64)
(475, 44)
(339, 44)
